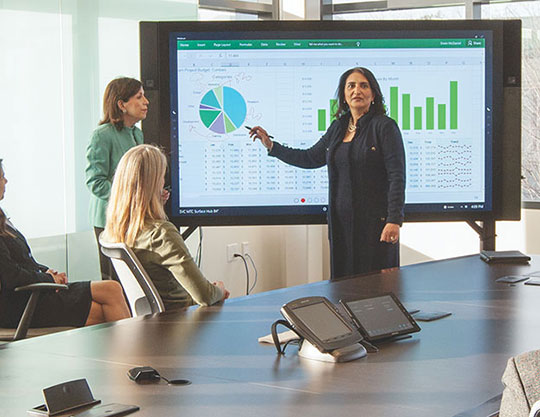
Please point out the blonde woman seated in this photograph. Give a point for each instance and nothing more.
(135, 216)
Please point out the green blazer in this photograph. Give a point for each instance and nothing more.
(102, 155)
(166, 259)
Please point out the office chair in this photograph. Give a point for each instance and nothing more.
(142, 296)
(23, 329)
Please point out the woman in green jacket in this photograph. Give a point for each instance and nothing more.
(124, 105)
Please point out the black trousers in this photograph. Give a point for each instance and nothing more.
(105, 264)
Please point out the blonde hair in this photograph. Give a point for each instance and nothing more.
(135, 194)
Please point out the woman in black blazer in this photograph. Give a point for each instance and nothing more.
(84, 303)
(364, 152)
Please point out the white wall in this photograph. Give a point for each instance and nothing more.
(530, 229)
(32, 140)
(284, 255)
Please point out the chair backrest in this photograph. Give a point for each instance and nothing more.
(141, 293)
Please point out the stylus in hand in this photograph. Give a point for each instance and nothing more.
(249, 128)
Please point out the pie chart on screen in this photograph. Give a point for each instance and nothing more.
(223, 110)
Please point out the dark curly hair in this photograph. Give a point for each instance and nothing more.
(377, 107)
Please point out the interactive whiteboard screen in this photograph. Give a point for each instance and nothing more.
(437, 86)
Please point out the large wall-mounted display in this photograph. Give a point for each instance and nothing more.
(443, 84)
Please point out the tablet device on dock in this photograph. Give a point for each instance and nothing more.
(380, 317)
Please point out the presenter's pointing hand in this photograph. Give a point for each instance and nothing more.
(258, 132)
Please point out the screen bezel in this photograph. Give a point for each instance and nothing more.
(496, 27)
(364, 331)
(347, 339)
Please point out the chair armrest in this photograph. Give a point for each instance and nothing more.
(41, 286)
(26, 318)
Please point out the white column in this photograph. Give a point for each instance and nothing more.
(473, 9)
(313, 9)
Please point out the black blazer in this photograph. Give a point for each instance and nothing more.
(17, 265)
(17, 268)
(378, 157)
(378, 181)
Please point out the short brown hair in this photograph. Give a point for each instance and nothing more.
(122, 88)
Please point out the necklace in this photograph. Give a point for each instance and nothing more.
(352, 126)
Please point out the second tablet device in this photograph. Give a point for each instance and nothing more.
(380, 317)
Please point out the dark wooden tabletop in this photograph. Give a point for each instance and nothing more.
(452, 365)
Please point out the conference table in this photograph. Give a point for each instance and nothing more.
(451, 367)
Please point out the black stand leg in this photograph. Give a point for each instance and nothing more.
(486, 232)
(187, 233)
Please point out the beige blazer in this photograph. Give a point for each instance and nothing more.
(521, 380)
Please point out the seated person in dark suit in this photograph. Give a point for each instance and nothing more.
(83, 304)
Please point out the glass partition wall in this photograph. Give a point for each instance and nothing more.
(57, 57)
